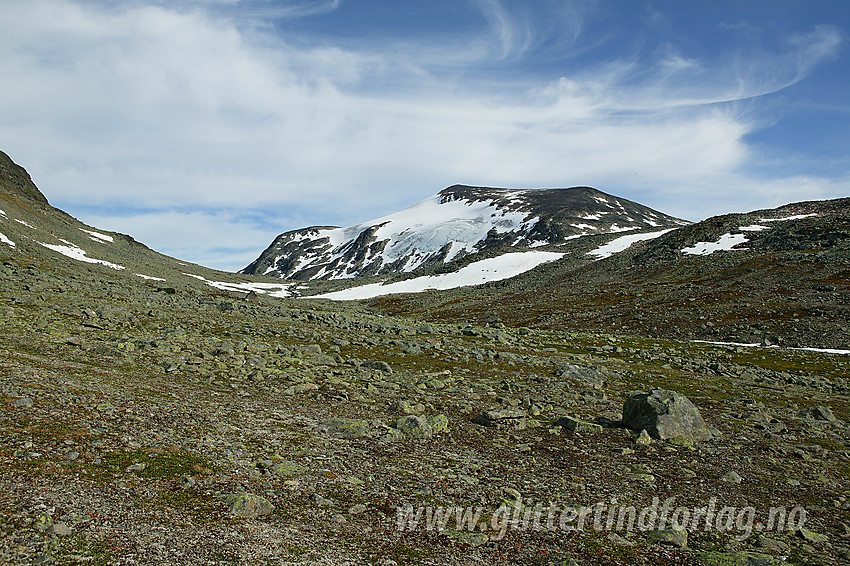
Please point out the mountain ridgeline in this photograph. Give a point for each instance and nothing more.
(457, 223)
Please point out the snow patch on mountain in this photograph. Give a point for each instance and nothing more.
(623, 243)
(148, 277)
(279, 290)
(491, 269)
(78, 254)
(727, 242)
(97, 236)
(424, 229)
(795, 217)
(6, 240)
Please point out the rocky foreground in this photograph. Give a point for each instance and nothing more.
(145, 424)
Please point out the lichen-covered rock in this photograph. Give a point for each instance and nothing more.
(345, 427)
(672, 536)
(506, 418)
(287, 469)
(665, 414)
(819, 413)
(248, 506)
(439, 423)
(414, 426)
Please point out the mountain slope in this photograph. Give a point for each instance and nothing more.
(779, 275)
(35, 234)
(458, 222)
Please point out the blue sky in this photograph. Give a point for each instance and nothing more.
(205, 128)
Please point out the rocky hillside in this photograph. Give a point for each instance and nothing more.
(769, 276)
(457, 223)
(31, 228)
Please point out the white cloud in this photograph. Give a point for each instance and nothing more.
(160, 108)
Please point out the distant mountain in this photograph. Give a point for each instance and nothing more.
(458, 222)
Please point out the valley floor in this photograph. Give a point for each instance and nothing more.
(154, 425)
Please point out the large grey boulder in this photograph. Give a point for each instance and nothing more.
(665, 414)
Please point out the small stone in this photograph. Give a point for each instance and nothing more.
(812, 536)
(378, 365)
(772, 545)
(60, 529)
(357, 509)
(136, 467)
(819, 413)
(438, 423)
(345, 427)
(731, 477)
(23, 402)
(287, 469)
(578, 426)
(672, 536)
(321, 501)
(643, 439)
(619, 541)
(72, 455)
(414, 426)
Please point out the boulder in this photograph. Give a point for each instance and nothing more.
(665, 414)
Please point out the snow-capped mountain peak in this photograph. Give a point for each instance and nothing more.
(454, 223)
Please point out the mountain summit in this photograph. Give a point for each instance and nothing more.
(458, 221)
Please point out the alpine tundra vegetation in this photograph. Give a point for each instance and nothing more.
(661, 393)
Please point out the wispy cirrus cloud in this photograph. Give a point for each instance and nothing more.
(148, 110)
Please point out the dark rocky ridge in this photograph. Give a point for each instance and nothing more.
(15, 181)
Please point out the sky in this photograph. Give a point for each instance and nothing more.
(204, 128)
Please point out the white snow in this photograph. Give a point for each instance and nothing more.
(490, 269)
(583, 226)
(97, 236)
(279, 290)
(148, 277)
(79, 254)
(614, 228)
(623, 243)
(753, 228)
(27, 224)
(758, 345)
(795, 217)
(3, 214)
(6, 240)
(421, 231)
(727, 242)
